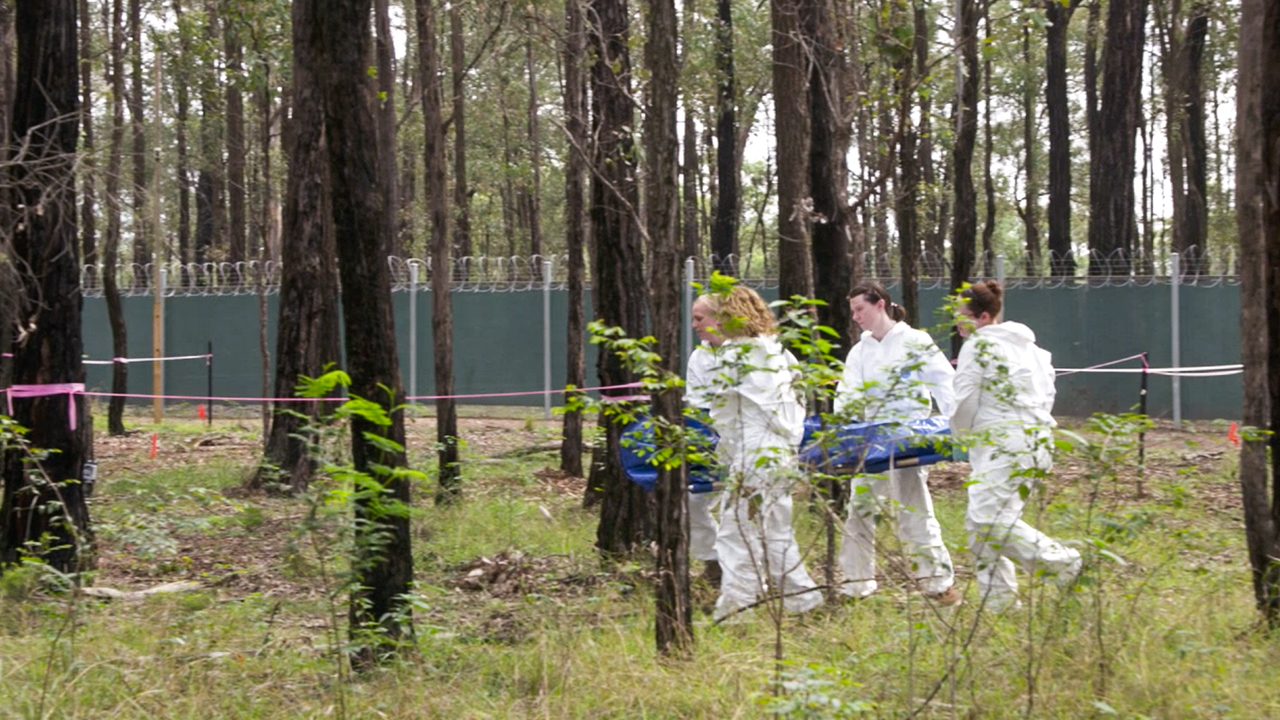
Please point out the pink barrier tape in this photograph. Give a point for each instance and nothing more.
(1096, 368)
(33, 391)
(206, 398)
(1185, 371)
(113, 361)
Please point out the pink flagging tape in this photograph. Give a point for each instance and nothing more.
(113, 361)
(145, 396)
(33, 391)
(1097, 368)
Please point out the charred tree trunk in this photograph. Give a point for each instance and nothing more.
(47, 508)
(626, 511)
(1258, 226)
(791, 133)
(88, 211)
(674, 616)
(1112, 219)
(307, 335)
(385, 568)
(908, 179)
(575, 223)
(138, 122)
(236, 216)
(828, 171)
(385, 52)
(461, 193)
(535, 146)
(964, 234)
(111, 251)
(1061, 259)
(724, 232)
(1031, 208)
(181, 112)
(449, 483)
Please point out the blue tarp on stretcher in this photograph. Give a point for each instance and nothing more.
(874, 447)
(866, 448)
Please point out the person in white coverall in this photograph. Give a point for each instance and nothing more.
(893, 373)
(698, 393)
(760, 421)
(1004, 389)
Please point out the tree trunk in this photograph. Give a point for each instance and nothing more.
(1195, 143)
(908, 179)
(674, 616)
(236, 216)
(1112, 222)
(138, 119)
(307, 334)
(51, 510)
(791, 133)
(1258, 226)
(1031, 184)
(384, 568)
(575, 98)
(210, 182)
(933, 231)
(535, 146)
(724, 232)
(988, 183)
(182, 78)
(111, 252)
(449, 482)
(461, 192)
(964, 234)
(88, 211)
(1057, 107)
(828, 171)
(385, 52)
(689, 167)
(626, 511)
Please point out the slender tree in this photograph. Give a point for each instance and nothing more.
(724, 231)
(47, 509)
(111, 249)
(1030, 211)
(182, 76)
(461, 190)
(1112, 219)
(626, 512)
(964, 233)
(307, 328)
(385, 52)
(449, 483)
(237, 219)
(689, 169)
(88, 179)
(791, 134)
(1258, 227)
(535, 142)
(138, 123)
(342, 45)
(674, 617)
(908, 177)
(1058, 15)
(575, 223)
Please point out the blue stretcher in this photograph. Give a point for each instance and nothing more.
(863, 448)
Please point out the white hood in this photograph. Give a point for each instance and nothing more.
(1003, 376)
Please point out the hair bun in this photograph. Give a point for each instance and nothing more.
(994, 287)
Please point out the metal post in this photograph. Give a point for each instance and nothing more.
(157, 343)
(1000, 279)
(686, 335)
(1175, 279)
(546, 339)
(413, 329)
(208, 364)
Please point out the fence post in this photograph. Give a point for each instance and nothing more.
(1000, 279)
(686, 333)
(413, 329)
(157, 343)
(546, 339)
(1175, 279)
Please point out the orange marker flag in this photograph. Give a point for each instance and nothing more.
(200, 411)
(1233, 436)
(153, 444)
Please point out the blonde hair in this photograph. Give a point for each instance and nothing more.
(741, 312)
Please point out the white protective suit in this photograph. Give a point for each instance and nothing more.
(699, 389)
(760, 422)
(1004, 397)
(895, 378)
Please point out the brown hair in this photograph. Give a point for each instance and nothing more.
(741, 312)
(984, 297)
(873, 292)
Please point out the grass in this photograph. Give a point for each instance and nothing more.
(1163, 628)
